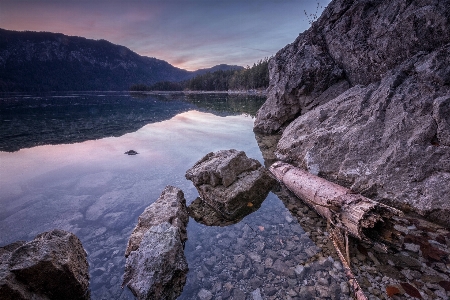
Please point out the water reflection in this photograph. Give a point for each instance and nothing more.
(205, 214)
(279, 251)
(28, 121)
(96, 191)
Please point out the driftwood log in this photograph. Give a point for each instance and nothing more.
(361, 217)
(346, 212)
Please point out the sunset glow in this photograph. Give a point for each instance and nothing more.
(189, 34)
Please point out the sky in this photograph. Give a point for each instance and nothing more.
(189, 34)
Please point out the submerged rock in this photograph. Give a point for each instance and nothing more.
(52, 266)
(156, 267)
(229, 181)
(205, 214)
(363, 99)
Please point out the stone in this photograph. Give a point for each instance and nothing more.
(412, 247)
(307, 292)
(239, 260)
(337, 265)
(255, 257)
(363, 99)
(204, 295)
(279, 267)
(51, 266)
(230, 182)
(238, 294)
(255, 282)
(256, 294)
(299, 270)
(169, 207)
(268, 262)
(270, 291)
(131, 152)
(323, 291)
(344, 288)
(156, 266)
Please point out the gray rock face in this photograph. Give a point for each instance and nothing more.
(352, 43)
(156, 267)
(366, 93)
(170, 207)
(52, 266)
(388, 140)
(228, 181)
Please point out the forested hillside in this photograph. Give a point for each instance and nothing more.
(44, 61)
(255, 77)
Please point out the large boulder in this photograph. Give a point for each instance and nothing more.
(229, 181)
(52, 266)
(156, 266)
(352, 43)
(374, 141)
(383, 128)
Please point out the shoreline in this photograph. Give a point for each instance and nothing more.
(231, 92)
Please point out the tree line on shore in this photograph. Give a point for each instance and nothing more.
(255, 77)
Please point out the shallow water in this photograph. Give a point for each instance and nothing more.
(80, 180)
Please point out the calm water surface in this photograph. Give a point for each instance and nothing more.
(63, 166)
(95, 191)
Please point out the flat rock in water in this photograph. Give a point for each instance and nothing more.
(229, 181)
(156, 267)
(52, 266)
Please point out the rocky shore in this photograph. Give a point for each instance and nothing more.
(277, 250)
(52, 266)
(362, 98)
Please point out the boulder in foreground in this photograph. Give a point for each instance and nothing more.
(228, 181)
(52, 266)
(156, 267)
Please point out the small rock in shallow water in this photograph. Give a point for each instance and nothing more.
(131, 152)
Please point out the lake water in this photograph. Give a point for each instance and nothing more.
(71, 173)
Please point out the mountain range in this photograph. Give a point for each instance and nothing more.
(44, 61)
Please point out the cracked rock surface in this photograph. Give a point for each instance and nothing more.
(363, 100)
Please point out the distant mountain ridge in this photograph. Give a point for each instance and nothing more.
(221, 67)
(44, 61)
